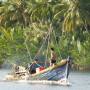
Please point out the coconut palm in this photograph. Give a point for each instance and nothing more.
(14, 12)
(77, 14)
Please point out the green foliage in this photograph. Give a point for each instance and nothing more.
(25, 23)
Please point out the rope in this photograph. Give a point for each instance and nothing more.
(50, 30)
(28, 51)
(48, 44)
(41, 46)
(56, 41)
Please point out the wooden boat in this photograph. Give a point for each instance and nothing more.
(56, 72)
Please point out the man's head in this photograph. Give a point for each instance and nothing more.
(36, 60)
(52, 49)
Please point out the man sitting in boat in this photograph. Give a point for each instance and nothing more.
(53, 57)
(33, 66)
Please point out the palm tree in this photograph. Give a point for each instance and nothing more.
(77, 14)
(14, 12)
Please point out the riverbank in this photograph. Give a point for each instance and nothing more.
(76, 67)
(1, 63)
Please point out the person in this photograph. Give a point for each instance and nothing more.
(53, 57)
(33, 66)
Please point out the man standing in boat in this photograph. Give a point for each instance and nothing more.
(53, 57)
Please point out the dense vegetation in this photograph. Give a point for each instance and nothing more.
(24, 25)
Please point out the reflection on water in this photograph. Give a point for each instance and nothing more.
(78, 80)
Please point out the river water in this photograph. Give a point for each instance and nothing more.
(78, 80)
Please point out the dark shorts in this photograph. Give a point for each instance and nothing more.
(53, 61)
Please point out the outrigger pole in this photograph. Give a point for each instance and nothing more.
(67, 67)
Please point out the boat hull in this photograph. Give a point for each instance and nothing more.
(52, 73)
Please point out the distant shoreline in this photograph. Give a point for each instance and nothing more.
(73, 67)
(80, 67)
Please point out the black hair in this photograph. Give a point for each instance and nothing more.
(52, 49)
(36, 59)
